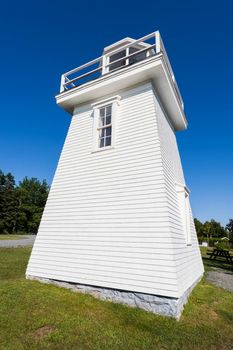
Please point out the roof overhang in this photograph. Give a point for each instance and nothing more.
(153, 68)
(122, 43)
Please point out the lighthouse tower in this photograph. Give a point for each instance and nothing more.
(118, 222)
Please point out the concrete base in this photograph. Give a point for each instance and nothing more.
(164, 306)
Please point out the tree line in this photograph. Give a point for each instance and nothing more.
(211, 231)
(21, 206)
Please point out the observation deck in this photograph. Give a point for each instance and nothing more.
(122, 64)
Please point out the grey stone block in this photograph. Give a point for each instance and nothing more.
(171, 307)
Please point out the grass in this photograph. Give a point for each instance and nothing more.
(39, 316)
(10, 237)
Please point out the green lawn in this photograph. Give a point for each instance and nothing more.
(10, 237)
(38, 316)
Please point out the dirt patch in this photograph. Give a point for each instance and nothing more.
(42, 332)
(214, 315)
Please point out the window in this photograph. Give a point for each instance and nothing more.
(104, 123)
(115, 57)
(121, 61)
(105, 126)
(184, 206)
(136, 58)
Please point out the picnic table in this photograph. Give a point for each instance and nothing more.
(220, 253)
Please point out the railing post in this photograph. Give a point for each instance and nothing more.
(63, 80)
(104, 62)
(157, 41)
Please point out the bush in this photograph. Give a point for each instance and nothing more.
(223, 243)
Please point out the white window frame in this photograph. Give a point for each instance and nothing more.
(184, 206)
(114, 102)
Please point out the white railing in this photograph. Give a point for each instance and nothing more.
(101, 65)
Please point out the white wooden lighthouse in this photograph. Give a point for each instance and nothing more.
(118, 222)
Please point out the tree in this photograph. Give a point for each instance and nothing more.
(213, 230)
(229, 228)
(199, 227)
(217, 230)
(32, 195)
(8, 203)
(21, 206)
(207, 229)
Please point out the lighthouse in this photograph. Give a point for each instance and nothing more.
(118, 223)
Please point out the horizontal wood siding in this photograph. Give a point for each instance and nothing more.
(107, 221)
(187, 257)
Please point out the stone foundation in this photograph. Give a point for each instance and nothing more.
(164, 306)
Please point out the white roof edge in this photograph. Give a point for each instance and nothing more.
(123, 42)
(111, 83)
(119, 42)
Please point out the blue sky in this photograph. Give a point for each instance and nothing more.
(42, 39)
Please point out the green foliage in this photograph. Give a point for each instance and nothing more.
(21, 206)
(222, 244)
(32, 195)
(8, 203)
(213, 228)
(229, 228)
(199, 227)
(209, 230)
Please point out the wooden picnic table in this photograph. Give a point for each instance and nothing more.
(221, 253)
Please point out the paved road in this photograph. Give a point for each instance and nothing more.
(23, 242)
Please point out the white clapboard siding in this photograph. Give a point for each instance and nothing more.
(112, 217)
(106, 221)
(188, 261)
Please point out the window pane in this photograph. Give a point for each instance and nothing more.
(102, 112)
(108, 120)
(102, 133)
(108, 131)
(101, 144)
(102, 121)
(108, 141)
(115, 57)
(108, 110)
(136, 58)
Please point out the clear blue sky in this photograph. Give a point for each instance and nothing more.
(42, 39)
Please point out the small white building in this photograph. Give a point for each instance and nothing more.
(118, 222)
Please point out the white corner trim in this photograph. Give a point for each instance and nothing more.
(109, 100)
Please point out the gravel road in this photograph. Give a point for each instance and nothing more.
(221, 279)
(23, 242)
